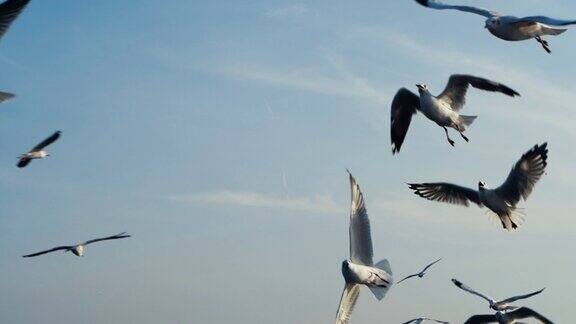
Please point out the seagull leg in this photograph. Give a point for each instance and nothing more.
(544, 44)
(464, 137)
(448, 137)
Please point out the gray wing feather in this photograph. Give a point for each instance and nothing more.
(524, 175)
(9, 11)
(434, 4)
(515, 298)
(470, 290)
(53, 138)
(47, 251)
(404, 105)
(548, 21)
(360, 238)
(113, 237)
(6, 96)
(446, 192)
(347, 302)
(455, 92)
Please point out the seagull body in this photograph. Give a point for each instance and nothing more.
(359, 269)
(509, 317)
(499, 306)
(78, 249)
(421, 273)
(511, 28)
(501, 201)
(442, 109)
(38, 151)
(423, 319)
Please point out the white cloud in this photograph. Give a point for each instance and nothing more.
(288, 12)
(319, 203)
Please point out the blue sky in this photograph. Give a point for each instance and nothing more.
(218, 134)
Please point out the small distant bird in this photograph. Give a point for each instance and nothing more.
(360, 270)
(423, 319)
(509, 317)
(510, 28)
(443, 109)
(501, 201)
(421, 273)
(499, 306)
(79, 249)
(38, 151)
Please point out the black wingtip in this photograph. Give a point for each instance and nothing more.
(423, 2)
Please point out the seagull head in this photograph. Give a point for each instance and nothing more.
(492, 22)
(482, 185)
(422, 88)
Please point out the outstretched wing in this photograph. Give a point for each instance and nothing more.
(47, 251)
(446, 192)
(408, 277)
(470, 290)
(347, 302)
(9, 11)
(482, 319)
(547, 21)
(515, 298)
(113, 237)
(434, 4)
(53, 138)
(404, 105)
(360, 238)
(525, 312)
(6, 96)
(524, 175)
(455, 92)
(411, 321)
(431, 264)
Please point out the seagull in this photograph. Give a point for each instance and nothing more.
(508, 318)
(510, 28)
(501, 201)
(442, 109)
(422, 319)
(421, 273)
(359, 269)
(38, 151)
(499, 306)
(78, 249)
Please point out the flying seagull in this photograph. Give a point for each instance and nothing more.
(359, 269)
(511, 28)
(501, 201)
(423, 319)
(509, 317)
(79, 249)
(499, 306)
(421, 273)
(38, 151)
(443, 109)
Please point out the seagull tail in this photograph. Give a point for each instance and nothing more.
(547, 30)
(386, 282)
(465, 121)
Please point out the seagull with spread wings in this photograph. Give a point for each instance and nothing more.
(501, 201)
(423, 319)
(499, 306)
(360, 269)
(38, 151)
(510, 28)
(509, 317)
(421, 273)
(443, 109)
(78, 249)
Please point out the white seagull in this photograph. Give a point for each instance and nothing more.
(501, 201)
(443, 109)
(360, 270)
(509, 317)
(511, 28)
(423, 319)
(499, 306)
(38, 151)
(78, 249)
(421, 273)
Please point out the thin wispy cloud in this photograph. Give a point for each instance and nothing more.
(318, 203)
(292, 11)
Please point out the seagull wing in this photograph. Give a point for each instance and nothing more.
(113, 237)
(525, 312)
(434, 4)
(547, 21)
(360, 239)
(47, 142)
(6, 96)
(9, 11)
(411, 321)
(470, 290)
(438, 321)
(446, 192)
(47, 251)
(455, 92)
(347, 302)
(482, 319)
(408, 277)
(404, 105)
(524, 175)
(515, 298)
(431, 264)
(23, 161)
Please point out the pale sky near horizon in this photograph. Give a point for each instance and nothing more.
(218, 135)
